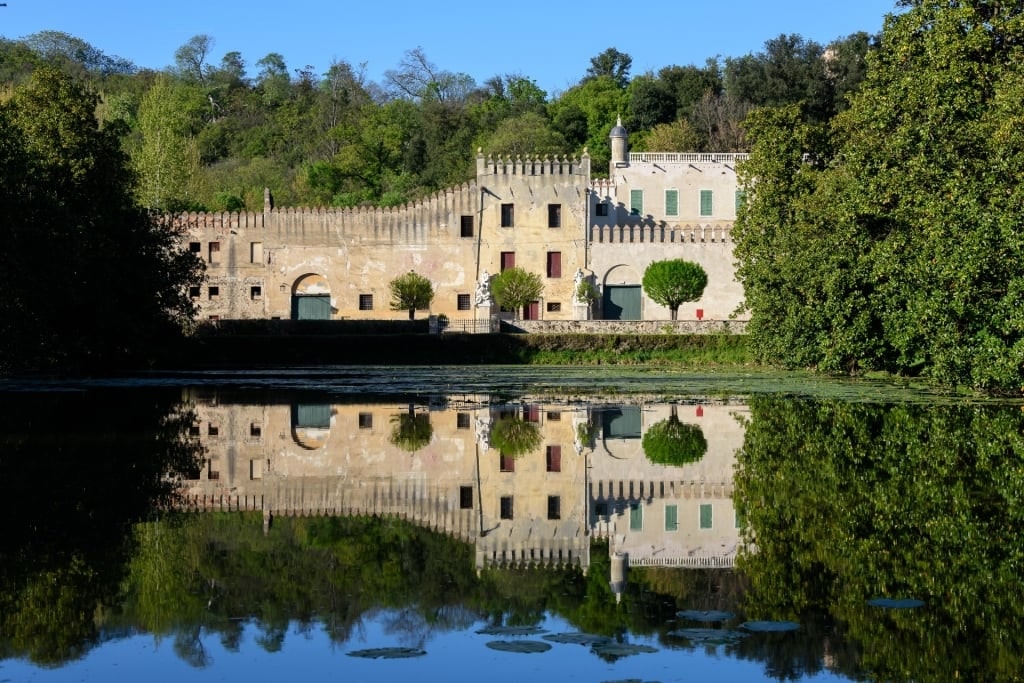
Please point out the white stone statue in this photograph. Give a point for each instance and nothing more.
(576, 282)
(483, 290)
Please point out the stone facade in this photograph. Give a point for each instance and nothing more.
(545, 215)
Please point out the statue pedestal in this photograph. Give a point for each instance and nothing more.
(580, 311)
(483, 318)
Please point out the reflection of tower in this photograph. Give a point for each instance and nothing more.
(620, 565)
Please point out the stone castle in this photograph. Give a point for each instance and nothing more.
(546, 215)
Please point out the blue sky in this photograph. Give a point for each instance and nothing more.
(546, 40)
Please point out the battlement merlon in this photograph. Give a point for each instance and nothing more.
(547, 165)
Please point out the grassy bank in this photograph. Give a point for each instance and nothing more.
(248, 350)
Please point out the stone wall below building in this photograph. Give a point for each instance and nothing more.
(625, 326)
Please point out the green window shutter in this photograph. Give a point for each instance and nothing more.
(671, 202)
(705, 516)
(636, 202)
(705, 203)
(741, 199)
(636, 517)
(671, 517)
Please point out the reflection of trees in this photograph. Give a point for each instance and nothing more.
(671, 442)
(64, 551)
(411, 431)
(851, 501)
(513, 436)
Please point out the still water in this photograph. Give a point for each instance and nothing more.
(498, 523)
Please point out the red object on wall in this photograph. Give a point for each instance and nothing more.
(700, 314)
(700, 411)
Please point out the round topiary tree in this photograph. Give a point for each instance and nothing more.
(410, 430)
(671, 442)
(515, 287)
(673, 282)
(411, 291)
(513, 436)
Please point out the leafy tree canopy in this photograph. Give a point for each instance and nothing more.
(411, 291)
(515, 287)
(674, 282)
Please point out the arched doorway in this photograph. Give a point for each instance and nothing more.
(622, 294)
(311, 298)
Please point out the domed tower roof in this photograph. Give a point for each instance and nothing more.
(618, 131)
(620, 145)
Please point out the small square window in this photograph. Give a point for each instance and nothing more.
(462, 420)
(601, 509)
(255, 430)
(366, 302)
(601, 209)
(365, 420)
(554, 416)
(508, 215)
(214, 292)
(554, 507)
(554, 215)
(193, 430)
(212, 430)
(464, 302)
(465, 497)
(554, 306)
(194, 292)
(506, 507)
(255, 293)
(195, 247)
(466, 226)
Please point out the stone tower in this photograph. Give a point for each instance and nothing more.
(620, 146)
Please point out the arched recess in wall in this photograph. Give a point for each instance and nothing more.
(311, 424)
(311, 298)
(622, 294)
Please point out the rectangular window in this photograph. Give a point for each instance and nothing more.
(366, 302)
(554, 416)
(212, 430)
(741, 199)
(255, 430)
(214, 292)
(255, 292)
(506, 507)
(465, 497)
(554, 507)
(636, 517)
(601, 209)
(195, 247)
(214, 252)
(508, 215)
(531, 311)
(636, 202)
(508, 260)
(462, 420)
(466, 226)
(463, 302)
(554, 215)
(705, 516)
(554, 264)
(531, 414)
(506, 463)
(671, 202)
(255, 252)
(194, 292)
(193, 430)
(554, 459)
(706, 205)
(671, 518)
(554, 306)
(366, 420)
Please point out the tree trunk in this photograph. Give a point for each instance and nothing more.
(412, 314)
(675, 312)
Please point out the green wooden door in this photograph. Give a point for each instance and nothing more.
(622, 302)
(311, 307)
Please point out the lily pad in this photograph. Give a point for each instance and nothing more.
(523, 646)
(511, 630)
(896, 603)
(577, 638)
(387, 653)
(770, 626)
(613, 649)
(709, 636)
(705, 615)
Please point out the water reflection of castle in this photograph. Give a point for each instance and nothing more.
(457, 468)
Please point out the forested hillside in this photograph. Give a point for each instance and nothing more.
(211, 136)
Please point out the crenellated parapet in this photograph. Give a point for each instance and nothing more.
(532, 165)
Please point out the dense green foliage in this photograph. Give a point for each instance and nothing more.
(853, 501)
(89, 277)
(513, 436)
(515, 287)
(409, 292)
(410, 430)
(671, 442)
(674, 282)
(890, 238)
